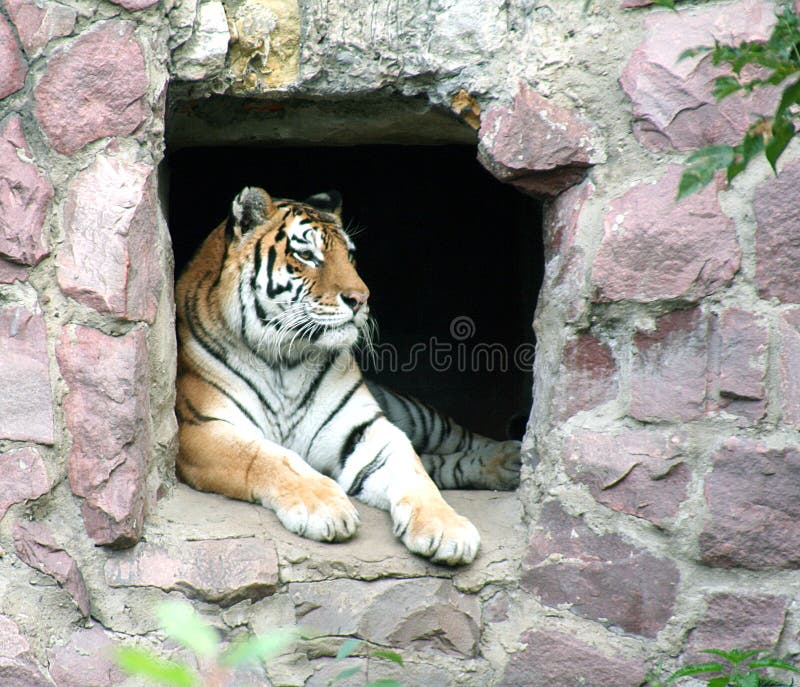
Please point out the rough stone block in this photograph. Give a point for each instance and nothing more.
(203, 55)
(778, 236)
(536, 145)
(93, 88)
(25, 195)
(656, 248)
(668, 375)
(561, 219)
(36, 546)
(16, 660)
(223, 571)
(753, 512)
(107, 410)
(11, 272)
(588, 377)
(558, 660)
(736, 621)
(109, 259)
(790, 366)
(673, 105)
(39, 21)
(638, 472)
(85, 660)
(134, 5)
(26, 403)
(422, 613)
(12, 65)
(602, 577)
(23, 476)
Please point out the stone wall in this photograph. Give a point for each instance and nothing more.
(657, 514)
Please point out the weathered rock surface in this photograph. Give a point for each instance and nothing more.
(639, 472)
(602, 577)
(40, 21)
(25, 195)
(26, 404)
(23, 476)
(107, 410)
(668, 376)
(36, 546)
(777, 237)
(94, 88)
(789, 365)
(536, 145)
(673, 105)
(754, 517)
(16, 661)
(108, 260)
(203, 55)
(588, 374)
(655, 248)
(223, 571)
(12, 65)
(559, 660)
(85, 660)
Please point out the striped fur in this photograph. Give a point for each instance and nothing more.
(273, 407)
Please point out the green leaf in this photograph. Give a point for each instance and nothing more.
(665, 3)
(184, 625)
(748, 680)
(348, 672)
(384, 682)
(717, 156)
(258, 648)
(782, 132)
(693, 52)
(141, 662)
(388, 655)
(718, 681)
(695, 669)
(773, 663)
(348, 647)
(725, 86)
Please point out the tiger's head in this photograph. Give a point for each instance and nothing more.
(297, 285)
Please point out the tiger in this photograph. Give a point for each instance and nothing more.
(273, 407)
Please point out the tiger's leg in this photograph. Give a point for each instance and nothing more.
(383, 470)
(214, 456)
(453, 456)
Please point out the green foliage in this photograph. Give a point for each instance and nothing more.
(736, 669)
(182, 624)
(349, 647)
(778, 64)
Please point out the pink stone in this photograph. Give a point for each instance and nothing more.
(12, 65)
(109, 258)
(555, 659)
(778, 236)
(85, 660)
(737, 621)
(223, 571)
(668, 375)
(789, 366)
(753, 516)
(94, 88)
(11, 272)
(16, 661)
(107, 411)
(588, 377)
(602, 577)
(25, 195)
(535, 144)
(561, 219)
(639, 472)
(26, 404)
(36, 546)
(23, 476)
(673, 105)
(656, 248)
(39, 22)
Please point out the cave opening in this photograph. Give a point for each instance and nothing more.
(453, 259)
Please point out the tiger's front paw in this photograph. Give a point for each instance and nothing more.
(319, 510)
(435, 531)
(502, 469)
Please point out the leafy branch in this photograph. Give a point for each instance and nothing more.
(778, 60)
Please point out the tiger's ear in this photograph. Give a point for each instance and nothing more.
(251, 208)
(329, 201)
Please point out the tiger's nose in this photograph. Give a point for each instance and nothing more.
(354, 299)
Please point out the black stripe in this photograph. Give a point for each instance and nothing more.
(355, 436)
(310, 392)
(200, 416)
(273, 290)
(339, 406)
(367, 471)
